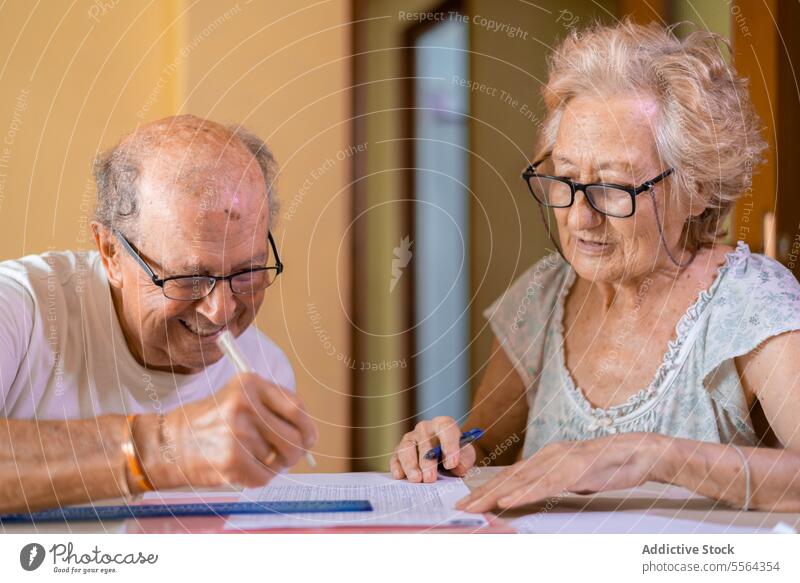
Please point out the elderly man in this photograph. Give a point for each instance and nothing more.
(111, 381)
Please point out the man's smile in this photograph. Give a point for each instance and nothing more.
(209, 332)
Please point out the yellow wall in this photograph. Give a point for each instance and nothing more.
(77, 76)
(72, 82)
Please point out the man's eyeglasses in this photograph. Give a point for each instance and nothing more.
(613, 200)
(189, 288)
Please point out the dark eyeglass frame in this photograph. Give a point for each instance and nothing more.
(161, 282)
(633, 191)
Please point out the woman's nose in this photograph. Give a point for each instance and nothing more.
(582, 216)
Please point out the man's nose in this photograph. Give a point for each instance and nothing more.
(582, 216)
(219, 306)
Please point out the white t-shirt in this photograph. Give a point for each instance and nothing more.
(63, 354)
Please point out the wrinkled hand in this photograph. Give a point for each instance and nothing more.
(581, 467)
(244, 434)
(409, 460)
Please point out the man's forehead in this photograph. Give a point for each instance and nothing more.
(206, 181)
(183, 251)
(215, 214)
(208, 219)
(202, 173)
(199, 182)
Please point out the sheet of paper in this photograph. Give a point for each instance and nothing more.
(620, 522)
(395, 502)
(169, 497)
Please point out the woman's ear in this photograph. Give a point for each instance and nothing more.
(698, 200)
(109, 250)
(690, 195)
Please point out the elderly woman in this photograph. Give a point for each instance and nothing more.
(646, 349)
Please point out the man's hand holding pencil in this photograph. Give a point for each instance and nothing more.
(244, 434)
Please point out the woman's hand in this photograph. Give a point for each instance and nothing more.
(409, 460)
(608, 463)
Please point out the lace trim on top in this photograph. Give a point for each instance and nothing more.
(640, 402)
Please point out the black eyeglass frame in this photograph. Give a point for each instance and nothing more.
(161, 282)
(633, 191)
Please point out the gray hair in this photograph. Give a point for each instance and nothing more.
(117, 171)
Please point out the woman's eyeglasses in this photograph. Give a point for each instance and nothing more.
(613, 200)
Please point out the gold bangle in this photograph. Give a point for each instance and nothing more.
(134, 465)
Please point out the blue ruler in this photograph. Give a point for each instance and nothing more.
(78, 513)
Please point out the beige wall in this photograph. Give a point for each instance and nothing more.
(75, 77)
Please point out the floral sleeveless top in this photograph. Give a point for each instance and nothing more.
(696, 392)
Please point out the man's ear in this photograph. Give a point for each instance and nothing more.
(109, 252)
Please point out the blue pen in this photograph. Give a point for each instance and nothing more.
(466, 437)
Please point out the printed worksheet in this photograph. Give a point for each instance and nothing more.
(394, 502)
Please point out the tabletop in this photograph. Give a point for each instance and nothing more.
(649, 502)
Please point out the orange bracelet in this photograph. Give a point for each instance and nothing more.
(134, 465)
